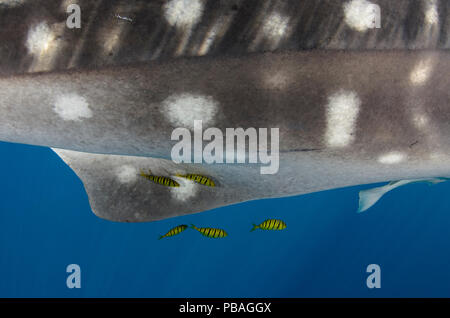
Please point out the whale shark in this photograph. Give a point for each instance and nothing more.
(352, 104)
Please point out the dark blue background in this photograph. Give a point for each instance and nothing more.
(46, 224)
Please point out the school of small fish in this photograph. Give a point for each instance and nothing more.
(169, 182)
(270, 225)
(165, 181)
(367, 199)
(174, 231)
(267, 225)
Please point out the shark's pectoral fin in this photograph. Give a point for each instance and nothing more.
(118, 192)
(367, 198)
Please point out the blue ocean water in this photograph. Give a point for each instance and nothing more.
(46, 224)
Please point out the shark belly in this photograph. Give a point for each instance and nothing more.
(343, 118)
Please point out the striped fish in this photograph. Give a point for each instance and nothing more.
(165, 181)
(175, 231)
(271, 224)
(206, 181)
(209, 232)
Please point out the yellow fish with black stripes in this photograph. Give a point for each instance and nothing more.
(165, 181)
(270, 225)
(175, 231)
(210, 232)
(206, 181)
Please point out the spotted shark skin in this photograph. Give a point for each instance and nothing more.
(159, 29)
(128, 110)
(129, 116)
(366, 109)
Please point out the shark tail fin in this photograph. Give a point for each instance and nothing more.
(254, 227)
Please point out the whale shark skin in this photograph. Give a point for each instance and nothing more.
(236, 28)
(129, 108)
(345, 117)
(129, 128)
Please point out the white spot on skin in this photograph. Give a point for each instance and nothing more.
(39, 39)
(431, 12)
(183, 13)
(182, 109)
(44, 43)
(72, 107)
(391, 158)
(275, 26)
(421, 72)
(186, 190)
(277, 80)
(420, 120)
(126, 174)
(342, 112)
(359, 14)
